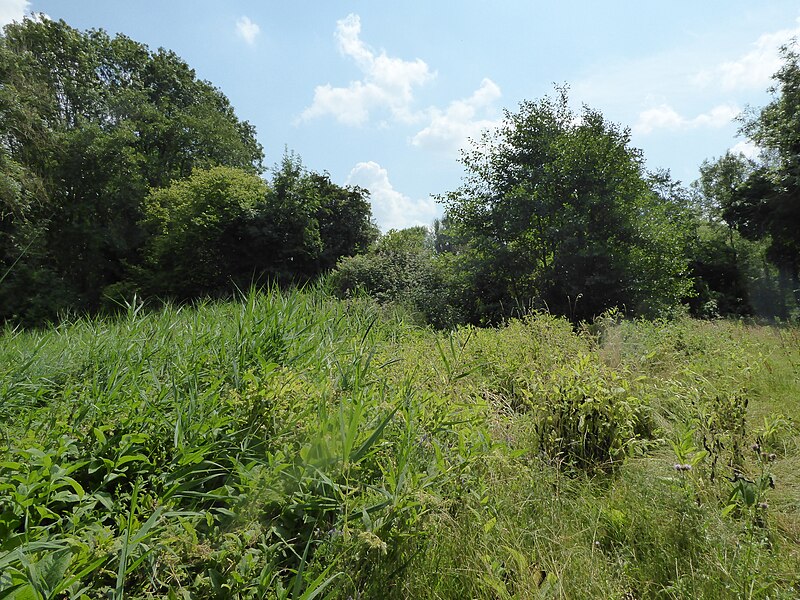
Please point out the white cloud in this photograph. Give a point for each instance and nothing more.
(719, 116)
(247, 30)
(754, 69)
(748, 148)
(13, 10)
(450, 129)
(387, 84)
(391, 208)
(664, 116)
(658, 117)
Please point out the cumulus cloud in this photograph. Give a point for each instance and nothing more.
(754, 69)
(391, 208)
(666, 117)
(13, 10)
(658, 117)
(387, 83)
(247, 30)
(748, 148)
(451, 128)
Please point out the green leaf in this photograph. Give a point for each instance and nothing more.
(22, 591)
(49, 570)
(376, 434)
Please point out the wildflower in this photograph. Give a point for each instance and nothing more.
(763, 505)
(756, 447)
(772, 456)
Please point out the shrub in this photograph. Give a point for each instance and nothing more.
(588, 415)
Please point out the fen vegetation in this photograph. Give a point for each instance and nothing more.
(581, 382)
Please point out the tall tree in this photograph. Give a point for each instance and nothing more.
(89, 124)
(559, 214)
(307, 223)
(767, 204)
(222, 227)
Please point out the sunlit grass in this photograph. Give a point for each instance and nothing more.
(292, 445)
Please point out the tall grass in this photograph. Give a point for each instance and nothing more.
(289, 445)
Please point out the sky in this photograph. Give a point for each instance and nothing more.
(385, 95)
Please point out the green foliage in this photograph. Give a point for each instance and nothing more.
(588, 416)
(226, 470)
(307, 223)
(120, 174)
(89, 124)
(729, 254)
(557, 210)
(196, 224)
(760, 198)
(402, 268)
(224, 227)
(583, 414)
(293, 445)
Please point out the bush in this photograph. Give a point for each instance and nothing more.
(413, 277)
(588, 415)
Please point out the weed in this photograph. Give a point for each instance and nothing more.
(289, 445)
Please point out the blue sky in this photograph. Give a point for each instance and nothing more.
(383, 94)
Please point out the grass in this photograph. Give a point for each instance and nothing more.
(294, 446)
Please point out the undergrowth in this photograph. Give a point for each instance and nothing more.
(294, 446)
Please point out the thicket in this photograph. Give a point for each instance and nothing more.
(557, 212)
(121, 173)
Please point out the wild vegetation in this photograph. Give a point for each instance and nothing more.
(557, 212)
(114, 157)
(292, 445)
(122, 174)
(514, 403)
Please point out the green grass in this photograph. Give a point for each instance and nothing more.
(294, 446)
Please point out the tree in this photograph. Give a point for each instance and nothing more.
(559, 214)
(198, 231)
(765, 204)
(89, 124)
(225, 227)
(728, 261)
(306, 223)
(345, 220)
(759, 200)
(717, 187)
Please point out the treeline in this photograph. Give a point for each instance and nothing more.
(557, 212)
(121, 173)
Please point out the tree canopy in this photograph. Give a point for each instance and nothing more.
(557, 212)
(759, 198)
(768, 202)
(88, 124)
(122, 172)
(224, 227)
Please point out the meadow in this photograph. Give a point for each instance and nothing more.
(291, 445)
